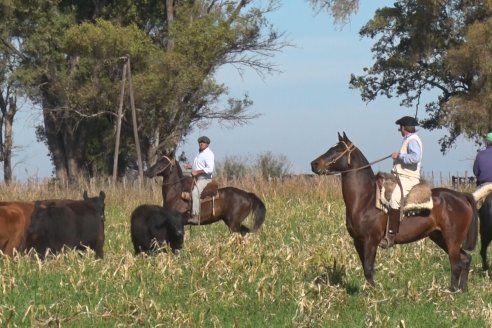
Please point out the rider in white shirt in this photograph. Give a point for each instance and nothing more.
(406, 165)
(201, 170)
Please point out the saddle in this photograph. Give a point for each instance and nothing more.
(417, 202)
(211, 190)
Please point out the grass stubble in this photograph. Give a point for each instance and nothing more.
(300, 270)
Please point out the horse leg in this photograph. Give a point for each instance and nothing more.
(244, 229)
(234, 222)
(483, 252)
(485, 239)
(235, 225)
(466, 261)
(367, 255)
(454, 259)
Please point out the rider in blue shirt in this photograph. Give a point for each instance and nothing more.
(482, 167)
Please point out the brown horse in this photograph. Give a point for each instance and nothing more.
(452, 223)
(232, 205)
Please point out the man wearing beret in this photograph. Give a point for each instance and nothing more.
(482, 167)
(201, 170)
(406, 166)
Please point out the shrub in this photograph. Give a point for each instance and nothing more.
(272, 166)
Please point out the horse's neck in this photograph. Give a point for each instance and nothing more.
(359, 186)
(172, 186)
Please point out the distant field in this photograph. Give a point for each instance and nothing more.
(300, 270)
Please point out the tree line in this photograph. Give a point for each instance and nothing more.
(68, 58)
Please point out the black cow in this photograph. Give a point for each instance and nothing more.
(75, 224)
(152, 226)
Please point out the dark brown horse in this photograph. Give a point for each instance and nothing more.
(485, 214)
(452, 224)
(231, 205)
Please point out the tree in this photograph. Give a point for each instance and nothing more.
(10, 89)
(340, 10)
(73, 71)
(440, 46)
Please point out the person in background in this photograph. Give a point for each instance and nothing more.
(482, 167)
(406, 166)
(201, 171)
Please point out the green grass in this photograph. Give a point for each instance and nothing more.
(300, 270)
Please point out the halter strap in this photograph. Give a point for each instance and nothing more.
(171, 161)
(348, 149)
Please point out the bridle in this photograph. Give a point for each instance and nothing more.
(349, 149)
(171, 164)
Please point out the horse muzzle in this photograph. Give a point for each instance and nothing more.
(318, 168)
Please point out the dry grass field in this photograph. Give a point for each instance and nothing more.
(300, 270)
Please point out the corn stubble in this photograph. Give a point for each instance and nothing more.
(299, 270)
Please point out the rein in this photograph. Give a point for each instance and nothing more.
(365, 166)
(350, 149)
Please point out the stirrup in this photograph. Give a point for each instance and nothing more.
(387, 242)
(195, 219)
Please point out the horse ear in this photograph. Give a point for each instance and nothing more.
(345, 138)
(339, 137)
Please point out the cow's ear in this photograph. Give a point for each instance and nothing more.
(102, 195)
(85, 195)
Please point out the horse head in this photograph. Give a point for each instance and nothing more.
(336, 159)
(163, 167)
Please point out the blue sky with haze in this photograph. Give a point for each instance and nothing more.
(302, 108)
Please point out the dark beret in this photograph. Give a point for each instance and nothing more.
(407, 121)
(204, 139)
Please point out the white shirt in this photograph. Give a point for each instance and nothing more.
(204, 160)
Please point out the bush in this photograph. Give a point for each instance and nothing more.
(272, 166)
(234, 167)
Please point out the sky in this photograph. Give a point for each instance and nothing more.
(301, 109)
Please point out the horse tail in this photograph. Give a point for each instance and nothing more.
(259, 210)
(472, 235)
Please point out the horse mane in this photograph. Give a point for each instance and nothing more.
(178, 167)
(185, 181)
(365, 162)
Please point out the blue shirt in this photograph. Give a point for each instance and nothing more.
(482, 167)
(414, 154)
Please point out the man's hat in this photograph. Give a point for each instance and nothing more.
(407, 121)
(204, 139)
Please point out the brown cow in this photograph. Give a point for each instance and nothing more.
(15, 218)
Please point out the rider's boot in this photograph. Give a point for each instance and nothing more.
(393, 226)
(195, 219)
